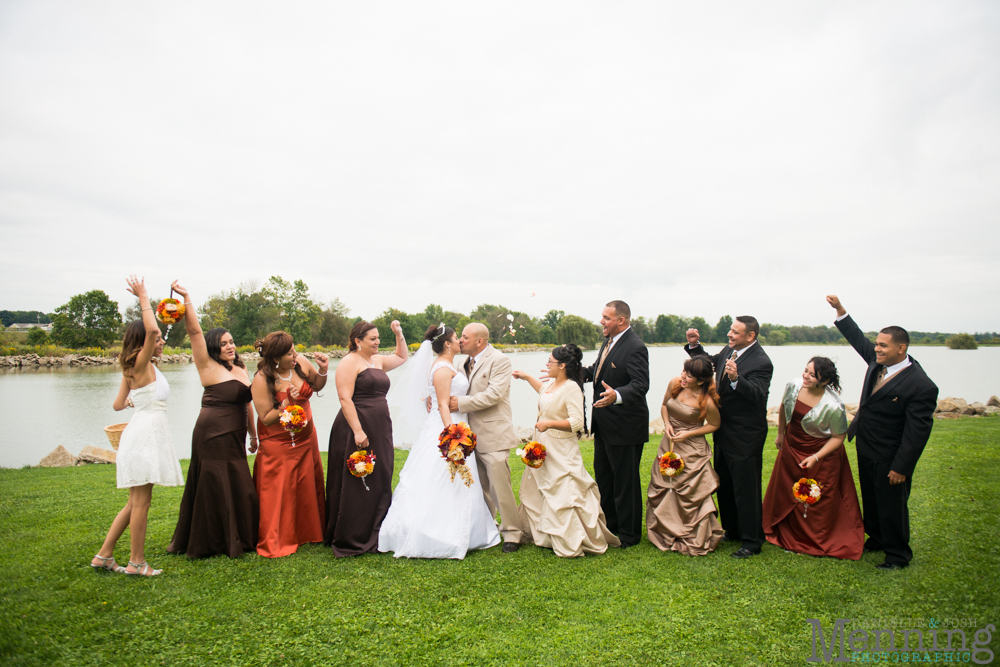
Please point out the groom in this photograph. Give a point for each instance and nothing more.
(488, 406)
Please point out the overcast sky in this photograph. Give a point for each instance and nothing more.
(690, 158)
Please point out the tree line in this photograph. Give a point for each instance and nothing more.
(253, 309)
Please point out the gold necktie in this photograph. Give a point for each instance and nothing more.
(880, 380)
(600, 364)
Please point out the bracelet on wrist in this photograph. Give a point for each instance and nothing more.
(147, 309)
(323, 375)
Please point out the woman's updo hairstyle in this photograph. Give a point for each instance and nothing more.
(358, 331)
(272, 347)
(572, 356)
(438, 337)
(826, 371)
(702, 369)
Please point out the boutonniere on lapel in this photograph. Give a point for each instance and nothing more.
(613, 365)
(895, 399)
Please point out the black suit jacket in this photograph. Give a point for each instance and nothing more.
(743, 410)
(627, 371)
(893, 424)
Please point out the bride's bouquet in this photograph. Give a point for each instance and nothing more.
(671, 465)
(361, 464)
(456, 442)
(293, 419)
(533, 454)
(808, 492)
(170, 311)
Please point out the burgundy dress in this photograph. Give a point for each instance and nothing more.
(831, 527)
(218, 512)
(354, 515)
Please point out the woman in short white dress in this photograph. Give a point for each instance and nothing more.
(145, 453)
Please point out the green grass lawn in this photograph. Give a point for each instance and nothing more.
(633, 607)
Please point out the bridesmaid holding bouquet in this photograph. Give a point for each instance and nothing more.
(287, 471)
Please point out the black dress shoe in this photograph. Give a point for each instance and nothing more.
(889, 566)
(743, 552)
(510, 547)
(623, 545)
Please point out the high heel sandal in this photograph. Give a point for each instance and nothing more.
(143, 569)
(108, 564)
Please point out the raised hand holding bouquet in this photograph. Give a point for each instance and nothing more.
(456, 442)
(533, 454)
(170, 311)
(361, 464)
(293, 419)
(808, 492)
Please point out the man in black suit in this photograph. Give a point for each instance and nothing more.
(620, 421)
(892, 426)
(742, 377)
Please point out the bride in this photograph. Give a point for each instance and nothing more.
(432, 516)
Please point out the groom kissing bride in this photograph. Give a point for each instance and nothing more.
(432, 515)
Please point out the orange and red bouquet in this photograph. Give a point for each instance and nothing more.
(170, 311)
(671, 464)
(808, 492)
(533, 454)
(293, 419)
(455, 443)
(361, 464)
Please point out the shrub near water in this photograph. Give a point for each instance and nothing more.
(962, 341)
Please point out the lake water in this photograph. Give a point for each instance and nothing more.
(41, 409)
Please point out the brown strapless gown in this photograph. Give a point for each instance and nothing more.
(219, 511)
(354, 515)
(680, 513)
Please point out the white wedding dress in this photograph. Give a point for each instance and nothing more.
(145, 451)
(432, 516)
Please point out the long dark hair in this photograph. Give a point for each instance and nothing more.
(213, 342)
(132, 344)
(572, 356)
(702, 370)
(270, 348)
(826, 371)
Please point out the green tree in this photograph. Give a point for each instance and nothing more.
(38, 336)
(777, 337)
(335, 328)
(553, 318)
(644, 329)
(961, 341)
(87, 320)
(574, 329)
(722, 328)
(669, 329)
(298, 312)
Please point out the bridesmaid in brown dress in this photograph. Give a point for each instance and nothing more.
(218, 513)
(811, 429)
(680, 513)
(353, 514)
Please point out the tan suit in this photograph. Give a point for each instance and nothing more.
(488, 408)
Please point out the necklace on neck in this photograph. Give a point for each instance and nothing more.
(287, 379)
(371, 364)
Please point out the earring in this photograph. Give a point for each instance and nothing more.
(276, 364)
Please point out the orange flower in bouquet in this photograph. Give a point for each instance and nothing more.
(533, 454)
(808, 492)
(293, 419)
(455, 443)
(671, 464)
(361, 464)
(170, 311)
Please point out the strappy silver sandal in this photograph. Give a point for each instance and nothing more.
(108, 564)
(143, 569)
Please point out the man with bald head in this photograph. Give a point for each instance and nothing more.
(488, 408)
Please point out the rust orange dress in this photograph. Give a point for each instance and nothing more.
(289, 481)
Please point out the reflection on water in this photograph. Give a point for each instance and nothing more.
(41, 408)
